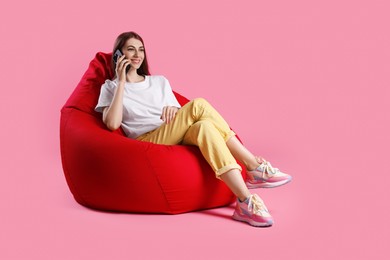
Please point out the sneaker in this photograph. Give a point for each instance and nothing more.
(253, 211)
(265, 176)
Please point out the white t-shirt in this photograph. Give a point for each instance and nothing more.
(142, 103)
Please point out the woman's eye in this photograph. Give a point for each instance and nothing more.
(134, 50)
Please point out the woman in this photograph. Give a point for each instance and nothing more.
(147, 110)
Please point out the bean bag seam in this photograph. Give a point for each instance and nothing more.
(159, 183)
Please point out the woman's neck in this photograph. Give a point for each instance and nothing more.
(133, 77)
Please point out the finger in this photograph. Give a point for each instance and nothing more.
(171, 114)
(119, 60)
(122, 66)
(125, 64)
(124, 61)
(163, 114)
(167, 119)
(174, 113)
(168, 115)
(120, 63)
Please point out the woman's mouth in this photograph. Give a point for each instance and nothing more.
(136, 61)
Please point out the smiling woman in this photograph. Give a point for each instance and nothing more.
(148, 111)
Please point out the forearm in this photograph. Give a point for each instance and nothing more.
(113, 114)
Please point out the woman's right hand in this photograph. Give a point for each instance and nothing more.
(120, 69)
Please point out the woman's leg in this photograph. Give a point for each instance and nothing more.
(233, 179)
(242, 154)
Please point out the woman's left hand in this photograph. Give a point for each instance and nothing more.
(168, 114)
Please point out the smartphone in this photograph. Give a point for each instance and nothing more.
(116, 56)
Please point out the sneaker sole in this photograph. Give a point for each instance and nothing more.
(267, 184)
(251, 221)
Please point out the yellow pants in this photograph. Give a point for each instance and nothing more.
(198, 123)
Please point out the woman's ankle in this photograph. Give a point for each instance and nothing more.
(255, 163)
(252, 166)
(241, 200)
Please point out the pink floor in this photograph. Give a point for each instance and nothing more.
(304, 83)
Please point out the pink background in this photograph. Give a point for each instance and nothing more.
(304, 83)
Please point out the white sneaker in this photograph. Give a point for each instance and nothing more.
(265, 176)
(253, 211)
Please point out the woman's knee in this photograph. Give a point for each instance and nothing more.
(200, 102)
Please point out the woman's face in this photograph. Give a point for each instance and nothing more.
(134, 51)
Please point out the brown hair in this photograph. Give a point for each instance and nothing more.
(120, 42)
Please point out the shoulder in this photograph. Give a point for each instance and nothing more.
(158, 78)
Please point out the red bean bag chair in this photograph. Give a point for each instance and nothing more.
(107, 171)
